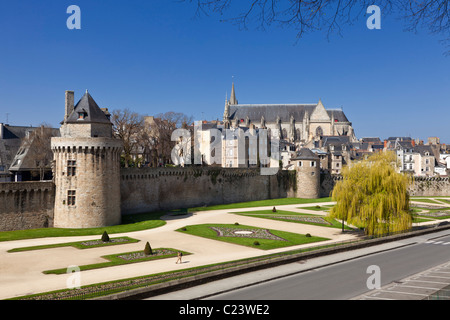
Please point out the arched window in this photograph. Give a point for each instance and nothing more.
(319, 131)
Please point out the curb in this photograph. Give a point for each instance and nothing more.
(184, 283)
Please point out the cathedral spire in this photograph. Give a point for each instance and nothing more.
(233, 99)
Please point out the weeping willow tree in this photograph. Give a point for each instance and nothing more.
(373, 195)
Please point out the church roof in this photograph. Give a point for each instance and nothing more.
(284, 111)
(339, 115)
(270, 111)
(92, 111)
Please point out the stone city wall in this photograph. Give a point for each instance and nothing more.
(153, 189)
(26, 205)
(422, 186)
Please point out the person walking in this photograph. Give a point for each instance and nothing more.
(180, 254)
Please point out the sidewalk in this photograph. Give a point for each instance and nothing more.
(22, 271)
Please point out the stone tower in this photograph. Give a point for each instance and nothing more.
(307, 166)
(86, 167)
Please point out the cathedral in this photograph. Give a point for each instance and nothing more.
(302, 125)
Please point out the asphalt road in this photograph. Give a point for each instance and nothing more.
(346, 280)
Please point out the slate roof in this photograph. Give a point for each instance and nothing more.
(284, 111)
(271, 112)
(423, 149)
(305, 154)
(339, 115)
(88, 105)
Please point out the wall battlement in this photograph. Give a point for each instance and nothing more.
(26, 205)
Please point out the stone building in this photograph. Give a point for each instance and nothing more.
(301, 124)
(86, 167)
(307, 169)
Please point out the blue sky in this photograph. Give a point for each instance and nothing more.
(156, 56)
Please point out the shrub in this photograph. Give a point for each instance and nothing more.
(105, 237)
(183, 229)
(274, 209)
(256, 243)
(148, 250)
(236, 223)
(317, 207)
(308, 235)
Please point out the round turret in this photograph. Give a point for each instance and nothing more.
(307, 167)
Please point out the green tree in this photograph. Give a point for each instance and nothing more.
(148, 249)
(373, 195)
(105, 237)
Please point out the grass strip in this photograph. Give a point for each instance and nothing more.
(130, 223)
(260, 203)
(116, 260)
(79, 244)
(269, 214)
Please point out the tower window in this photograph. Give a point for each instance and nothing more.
(71, 197)
(71, 167)
(82, 115)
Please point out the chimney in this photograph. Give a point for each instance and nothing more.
(1, 130)
(69, 103)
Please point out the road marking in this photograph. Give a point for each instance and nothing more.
(430, 281)
(436, 276)
(416, 294)
(419, 287)
(379, 298)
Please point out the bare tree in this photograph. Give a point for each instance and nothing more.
(160, 129)
(128, 126)
(329, 15)
(39, 154)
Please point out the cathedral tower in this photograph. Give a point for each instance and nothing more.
(86, 167)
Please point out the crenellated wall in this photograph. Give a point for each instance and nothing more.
(153, 189)
(26, 205)
(422, 186)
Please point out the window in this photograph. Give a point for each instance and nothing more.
(313, 163)
(71, 197)
(82, 115)
(300, 164)
(71, 167)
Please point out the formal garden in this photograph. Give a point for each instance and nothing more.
(259, 238)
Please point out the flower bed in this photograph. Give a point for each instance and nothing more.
(141, 255)
(318, 220)
(96, 243)
(246, 233)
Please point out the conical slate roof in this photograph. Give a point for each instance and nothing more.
(93, 114)
(305, 154)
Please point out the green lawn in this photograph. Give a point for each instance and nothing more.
(130, 223)
(325, 208)
(269, 214)
(115, 260)
(260, 203)
(291, 239)
(78, 245)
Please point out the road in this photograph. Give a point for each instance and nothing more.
(348, 279)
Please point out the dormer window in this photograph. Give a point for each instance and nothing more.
(82, 115)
